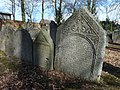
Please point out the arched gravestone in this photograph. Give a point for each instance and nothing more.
(33, 30)
(80, 46)
(44, 50)
(6, 39)
(34, 33)
(53, 30)
(23, 45)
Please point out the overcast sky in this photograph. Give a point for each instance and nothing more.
(4, 7)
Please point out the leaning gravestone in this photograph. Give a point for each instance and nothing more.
(80, 46)
(53, 30)
(23, 45)
(43, 50)
(6, 39)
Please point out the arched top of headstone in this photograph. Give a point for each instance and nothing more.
(23, 45)
(24, 33)
(43, 37)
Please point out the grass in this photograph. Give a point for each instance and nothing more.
(37, 78)
(7, 63)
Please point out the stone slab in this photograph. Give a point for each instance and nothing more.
(80, 46)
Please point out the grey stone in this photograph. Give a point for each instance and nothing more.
(116, 36)
(6, 39)
(34, 33)
(44, 50)
(80, 46)
(23, 45)
(53, 30)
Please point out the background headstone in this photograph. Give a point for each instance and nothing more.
(116, 36)
(23, 45)
(6, 39)
(53, 30)
(44, 50)
(80, 46)
(34, 33)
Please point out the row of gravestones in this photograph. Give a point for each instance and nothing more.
(77, 48)
(113, 37)
(19, 43)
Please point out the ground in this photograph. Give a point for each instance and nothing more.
(15, 75)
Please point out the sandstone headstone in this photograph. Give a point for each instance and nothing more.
(80, 46)
(44, 50)
(23, 45)
(6, 39)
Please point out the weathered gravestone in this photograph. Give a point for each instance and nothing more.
(33, 30)
(116, 36)
(34, 33)
(23, 45)
(44, 50)
(80, 46)
(53, 30)
(6, 39)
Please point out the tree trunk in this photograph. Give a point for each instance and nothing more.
(74, 6)
(43, 10)
(13, 9)
(55, 8)
(93, 7)
(23, 10)
(89, 4)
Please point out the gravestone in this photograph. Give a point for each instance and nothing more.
(34, 33)
(80, 46)
(116, 36)
(34, 30)
(23, 45)
(6, 39)
(43, 50)
(53, 30)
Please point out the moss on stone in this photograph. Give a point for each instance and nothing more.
(110, 79)
(2, 53)
(8, 64)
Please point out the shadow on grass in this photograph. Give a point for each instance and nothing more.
(111, 69)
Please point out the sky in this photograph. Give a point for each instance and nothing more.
(4, 7)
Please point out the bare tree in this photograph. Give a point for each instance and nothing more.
(115, 8)
(31, 6)
(42, 9)
(13, 8)
(23, 10)
(58, 11)
(58, 17)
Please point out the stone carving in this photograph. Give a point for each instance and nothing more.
(6, 39)
(44, 50)
(23, 45)
(80, 46)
